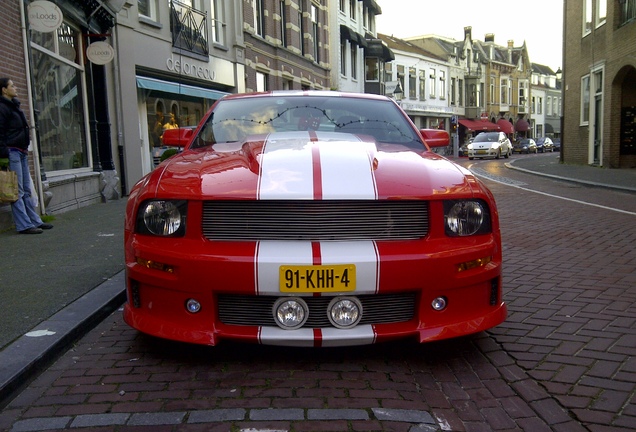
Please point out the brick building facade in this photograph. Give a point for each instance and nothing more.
(599, 88)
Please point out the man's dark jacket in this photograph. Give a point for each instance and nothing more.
(14, 128)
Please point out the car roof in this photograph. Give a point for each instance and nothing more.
(323, 93)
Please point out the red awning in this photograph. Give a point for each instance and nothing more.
(478, 126)
(506, 126)
(522, 125)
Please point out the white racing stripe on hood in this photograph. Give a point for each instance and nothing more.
(286, 167)
(288, 161)
(347, 170)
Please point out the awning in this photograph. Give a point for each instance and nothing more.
(349, 34)
(377, 48)
(177, 88)
(549, 129)
(522, 125)
(506, 126)
(474, 125)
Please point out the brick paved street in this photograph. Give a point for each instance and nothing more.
(565, 360)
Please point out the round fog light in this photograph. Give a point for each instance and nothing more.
(193, 306)
(344, 312)
(290, 313)
(439, 303)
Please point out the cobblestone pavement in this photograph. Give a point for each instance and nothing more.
(565, 359)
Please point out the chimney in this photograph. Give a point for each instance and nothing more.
(511, 44)
(490, 37)
(468, 32)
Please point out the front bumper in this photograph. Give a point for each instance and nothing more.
(209, 272)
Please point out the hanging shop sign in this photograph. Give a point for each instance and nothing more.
(44, 16)
(100, 53)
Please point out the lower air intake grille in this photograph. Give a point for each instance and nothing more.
(257, 310)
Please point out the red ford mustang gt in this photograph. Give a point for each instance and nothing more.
(311, 219)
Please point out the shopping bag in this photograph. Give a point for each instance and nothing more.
(8, 186)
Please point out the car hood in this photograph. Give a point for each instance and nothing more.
(307, 165)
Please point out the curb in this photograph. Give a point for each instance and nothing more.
(21, 361)
(510, 165)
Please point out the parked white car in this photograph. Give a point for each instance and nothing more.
(490, 144)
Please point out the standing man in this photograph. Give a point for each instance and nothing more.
(14, 144)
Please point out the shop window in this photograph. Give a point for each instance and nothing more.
(60, 99)
(372, 69)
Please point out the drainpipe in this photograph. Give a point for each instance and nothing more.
(118, 110)
(34, 136)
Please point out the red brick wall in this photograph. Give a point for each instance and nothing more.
(13, 64)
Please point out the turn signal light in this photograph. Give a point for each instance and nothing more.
(481, 262)
(154, 265)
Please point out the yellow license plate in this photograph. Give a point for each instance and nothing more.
(317, 278)
(482, 151)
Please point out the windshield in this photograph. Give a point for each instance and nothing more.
(487, 137)
(236, 119)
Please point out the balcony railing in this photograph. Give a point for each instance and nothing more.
(189, 28)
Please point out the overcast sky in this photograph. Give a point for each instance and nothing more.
(538, 22)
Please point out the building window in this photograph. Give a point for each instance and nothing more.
(342, 6)
(388, 72)
(372, 66)
(587, 17)
(412, 83)
(601, 12)
(504, 91)
(460, 87)
(301, 21)
(147, 8)
(628, 11)
(432, 79)
(261, 82)
(283, 24)
(259, 17)
(523, 96)
(353, 4)
(585, 100)
(422, 80)
(492, 90)
(400, 76)
(218, 24)
(315, 33)
(539, 105)
(548, 106)
(453, 91)
(442, 84)
(555, 106)
(472, 95)
(60, 98)
(343, 57)
(354, 61)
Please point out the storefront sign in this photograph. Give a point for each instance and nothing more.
(44, 16)
(100, 53)
(184, 67)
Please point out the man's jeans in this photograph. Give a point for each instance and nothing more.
(24, 214)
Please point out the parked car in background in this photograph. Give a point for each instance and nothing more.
(490, 144)
(557, 144)
(545, 144)
(526, 145)
(313, 219)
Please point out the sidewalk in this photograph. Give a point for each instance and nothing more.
(57, 285)
(548, 165)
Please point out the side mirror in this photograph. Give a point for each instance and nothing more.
(177, 137)
(435, 137)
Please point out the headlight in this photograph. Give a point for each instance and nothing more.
(162, 218)
(466, 217)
